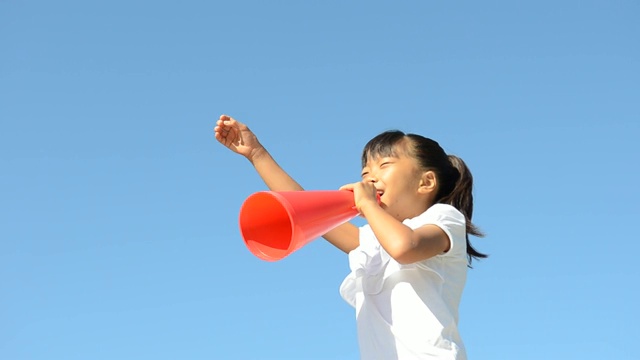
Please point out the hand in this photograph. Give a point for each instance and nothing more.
(364, 193)
(237, 137)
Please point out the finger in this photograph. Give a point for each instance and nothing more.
(221, 134)
(235, 124)
(225, 122)
(347, 187)
(224, 139)
(368, 184)
(221, 130)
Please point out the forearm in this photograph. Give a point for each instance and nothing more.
(271, 173)
(396, 239)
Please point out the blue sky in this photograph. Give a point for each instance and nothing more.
(118, 210)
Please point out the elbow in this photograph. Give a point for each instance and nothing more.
(411, 249)
(404, 259)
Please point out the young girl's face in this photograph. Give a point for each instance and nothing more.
(397, 178)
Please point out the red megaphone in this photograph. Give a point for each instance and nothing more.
(274, 224)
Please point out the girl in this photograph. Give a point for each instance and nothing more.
(409, 264)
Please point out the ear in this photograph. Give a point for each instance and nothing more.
(428, 183)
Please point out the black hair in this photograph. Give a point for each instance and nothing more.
(455, 182)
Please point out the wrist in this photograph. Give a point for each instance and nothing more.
(367, 205)
(256, 154)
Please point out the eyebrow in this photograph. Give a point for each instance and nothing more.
(381, 158)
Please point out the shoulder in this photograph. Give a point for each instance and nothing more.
(450, 220)
(439, 213)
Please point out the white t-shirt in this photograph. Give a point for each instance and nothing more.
(409, 311)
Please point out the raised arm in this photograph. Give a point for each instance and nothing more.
(238, 138)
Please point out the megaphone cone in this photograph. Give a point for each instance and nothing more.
(274, 224)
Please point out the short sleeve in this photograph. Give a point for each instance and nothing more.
(450, 220)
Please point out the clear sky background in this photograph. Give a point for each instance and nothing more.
(118, 209)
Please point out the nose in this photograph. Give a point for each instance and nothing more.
(371, 178)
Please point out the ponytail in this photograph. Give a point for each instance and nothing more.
(461, 197)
